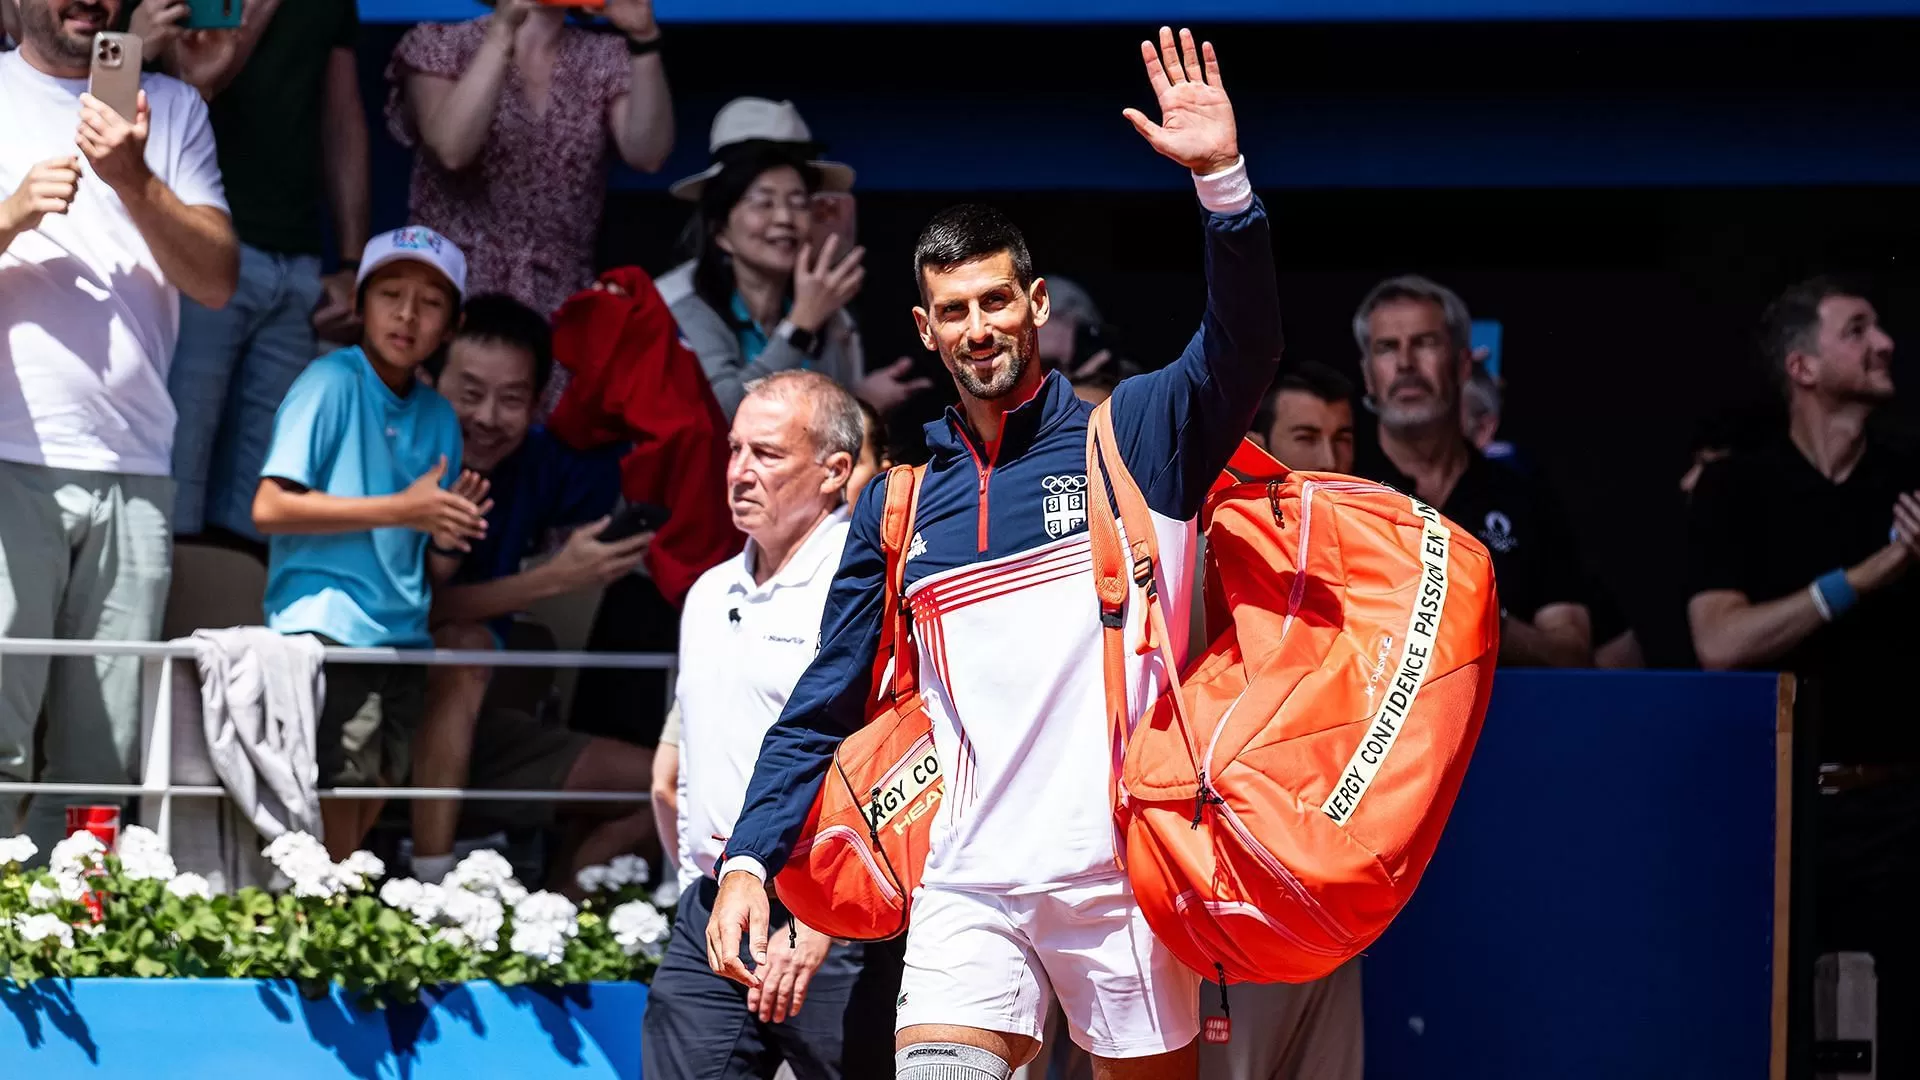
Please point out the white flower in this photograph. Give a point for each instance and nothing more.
(93, 929)
(190, 885)
(34, 928)
(629, 870)
(305, 863)
(488, 873)
(638, 926)
(17, 849)
(77, 855)
(427, 905)
(289, 844)
(72, 889)
(42, 895)
(623, 870)
(545, 907)
(401, 892)
(478, 917)
(452, 935)
(542, 923)
(667, 893)
(359, 868)
(143, 857)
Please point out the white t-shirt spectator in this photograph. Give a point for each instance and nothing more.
(87, 323)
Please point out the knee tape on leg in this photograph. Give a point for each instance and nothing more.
(948, 1061)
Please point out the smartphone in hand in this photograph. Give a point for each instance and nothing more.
(214, 14)
(114, 77)
(833, 215)
(632, 520)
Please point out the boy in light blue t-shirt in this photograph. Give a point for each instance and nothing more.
(360, 501)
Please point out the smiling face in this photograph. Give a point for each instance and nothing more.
(61, 31)
(490, 384)
(766, 228)
(984, 325)
(1851, 359)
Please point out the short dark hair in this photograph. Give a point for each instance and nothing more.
(964, 233)
(499, 319)
(1792, 321)
(1308, 377)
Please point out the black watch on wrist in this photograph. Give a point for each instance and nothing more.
(637, 47)
(805, 340)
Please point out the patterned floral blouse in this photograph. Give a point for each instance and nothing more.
(528, 211)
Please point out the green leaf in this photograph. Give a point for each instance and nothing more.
(146, 967)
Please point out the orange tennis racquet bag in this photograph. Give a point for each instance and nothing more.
(1282, 799)
(860, 855)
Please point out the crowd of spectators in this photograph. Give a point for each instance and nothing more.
(200, 339)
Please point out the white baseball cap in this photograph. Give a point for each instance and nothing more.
(415, 243)
(758, 120)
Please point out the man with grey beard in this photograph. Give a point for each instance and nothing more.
(1416, 356)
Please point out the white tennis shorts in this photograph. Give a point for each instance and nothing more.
(996, 962)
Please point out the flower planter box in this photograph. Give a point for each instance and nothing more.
(236, 1027)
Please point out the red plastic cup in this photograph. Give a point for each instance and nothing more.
(102, 821)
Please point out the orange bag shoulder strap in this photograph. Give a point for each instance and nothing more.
(1109, 486)
(896, 531)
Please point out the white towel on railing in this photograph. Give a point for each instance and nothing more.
(260, 696)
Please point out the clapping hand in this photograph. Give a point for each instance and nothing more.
(1196, 125)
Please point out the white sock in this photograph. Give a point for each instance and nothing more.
(432, 868)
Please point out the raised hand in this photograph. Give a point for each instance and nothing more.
(157, 23)
(822, 285)
(633, 18)
(1196, 125)
(115, 144)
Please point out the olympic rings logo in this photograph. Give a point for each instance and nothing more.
(1064, 485)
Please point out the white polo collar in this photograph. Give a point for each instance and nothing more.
(802, 569)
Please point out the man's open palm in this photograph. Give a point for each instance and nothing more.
(1196, 125)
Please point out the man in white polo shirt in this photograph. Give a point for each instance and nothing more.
(749, 628)
(107, 221)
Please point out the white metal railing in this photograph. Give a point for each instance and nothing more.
(156, 789)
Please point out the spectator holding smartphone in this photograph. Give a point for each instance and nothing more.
(94, 260)
(283, 91)
(493, 373)
(354, 544)
(515, 117)
(765, 291)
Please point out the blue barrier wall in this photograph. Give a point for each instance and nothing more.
(236, 1028)
(1601, 905)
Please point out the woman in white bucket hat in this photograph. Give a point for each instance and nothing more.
(759, 295)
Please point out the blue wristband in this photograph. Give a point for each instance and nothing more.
(1838, 594)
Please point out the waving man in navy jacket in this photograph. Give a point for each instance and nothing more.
(1021, 899)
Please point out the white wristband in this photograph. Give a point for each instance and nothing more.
(1227, 191)
(746, 863)
(1820, 602)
